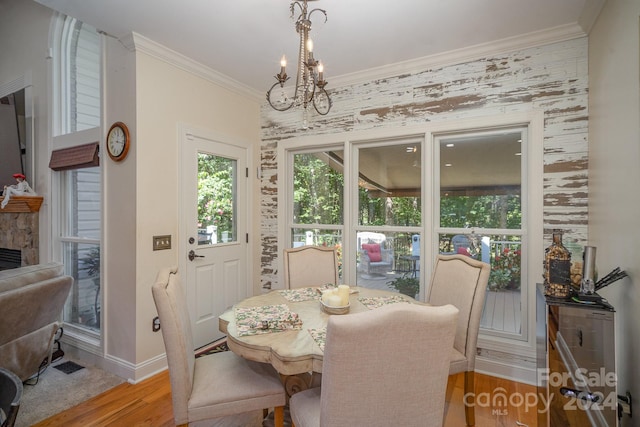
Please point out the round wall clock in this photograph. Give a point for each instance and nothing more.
(118, 141)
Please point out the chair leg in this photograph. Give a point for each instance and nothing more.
(469, 392)
(278, 416)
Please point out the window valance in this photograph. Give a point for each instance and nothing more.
(81, 156)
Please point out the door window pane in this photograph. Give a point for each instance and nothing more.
(216, 199)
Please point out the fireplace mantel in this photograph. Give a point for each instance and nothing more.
(22, 204)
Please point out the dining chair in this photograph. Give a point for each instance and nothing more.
(309, 266)
(462, 281)
(212, 386)
(10, 396)
(384, 367)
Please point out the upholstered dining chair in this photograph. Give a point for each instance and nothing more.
(10, 396)
(308, 266)
(402, 384)
(462, 281)
(212, 386)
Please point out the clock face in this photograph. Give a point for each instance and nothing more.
(118, 141)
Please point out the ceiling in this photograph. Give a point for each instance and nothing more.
(361, 40)
(244, 39)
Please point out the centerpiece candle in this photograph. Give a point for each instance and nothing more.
(343, 291)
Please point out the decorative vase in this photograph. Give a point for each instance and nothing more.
(557, 268)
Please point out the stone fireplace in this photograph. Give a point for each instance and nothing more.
(19, 229)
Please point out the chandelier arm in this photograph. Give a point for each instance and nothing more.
(321, 91)
(324, 12)
(285, 108)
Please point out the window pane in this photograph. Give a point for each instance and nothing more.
(82, 262)
(384, 257)
(318, 188)
(389, 185)
(481, 188)
(216, 199)
(480, 181)
(82, 194)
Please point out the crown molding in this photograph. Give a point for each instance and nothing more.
(458, 56)
(138, 43)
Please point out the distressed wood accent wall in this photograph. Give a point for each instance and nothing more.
(551, 78)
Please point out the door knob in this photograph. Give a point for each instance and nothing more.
(192, 255)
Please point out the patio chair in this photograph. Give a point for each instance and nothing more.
(375, 260)
(462, 281)
(363, 386)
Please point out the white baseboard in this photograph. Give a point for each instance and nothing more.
(507, 370)
(133, 373)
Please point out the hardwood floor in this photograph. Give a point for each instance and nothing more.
(149, 404)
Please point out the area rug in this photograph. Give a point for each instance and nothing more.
(57, 391)
(215, 347)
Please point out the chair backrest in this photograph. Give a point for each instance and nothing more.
(10, 395)
(310, 266)
(387, 366)
(462, 281)
(175, 325)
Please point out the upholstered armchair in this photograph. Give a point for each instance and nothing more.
(375, 259)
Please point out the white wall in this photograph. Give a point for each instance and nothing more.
(168, 96)
(152, 97)
(614, 174)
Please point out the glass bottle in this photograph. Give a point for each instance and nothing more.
(557, 268)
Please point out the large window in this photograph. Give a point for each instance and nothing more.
(316, 214)
(404, 200)
(77, 201)
(389, 214)
(480, 215)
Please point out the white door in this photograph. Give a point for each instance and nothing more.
(213, 230)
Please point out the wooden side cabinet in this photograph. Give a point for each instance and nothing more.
(576, 363)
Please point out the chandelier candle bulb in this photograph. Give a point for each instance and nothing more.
(320, 71)
(283, 64)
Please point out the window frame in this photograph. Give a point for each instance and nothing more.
(63, 136)
(532, 226)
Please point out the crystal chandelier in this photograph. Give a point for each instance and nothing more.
(310, 83)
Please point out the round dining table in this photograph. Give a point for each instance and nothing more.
(294, 353)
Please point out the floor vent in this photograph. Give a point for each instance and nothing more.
(68, 367)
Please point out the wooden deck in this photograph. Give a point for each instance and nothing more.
(502, 312)
(501, 309)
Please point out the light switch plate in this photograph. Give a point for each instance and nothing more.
(161, 242)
